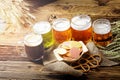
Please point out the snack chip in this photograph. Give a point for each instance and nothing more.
(70, 50)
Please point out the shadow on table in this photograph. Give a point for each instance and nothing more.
(67, 77)
(38, 3)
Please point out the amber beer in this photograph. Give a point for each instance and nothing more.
(44, 28)
(61, 30)
(34, 47)
(102, 35)
(81, 28)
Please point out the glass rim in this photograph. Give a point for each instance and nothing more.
(60, 20)
(32, 43)
(101, 20)
(44, 24)
(81, 26)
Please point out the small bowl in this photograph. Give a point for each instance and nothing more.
(62, 51)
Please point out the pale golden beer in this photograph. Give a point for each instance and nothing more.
(61, 30)
(45, 29)
(102, 35)
(81, 28)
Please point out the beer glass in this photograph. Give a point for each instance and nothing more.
(102, 35)
(81, 28)
(44, 28)
(61, 30)
(34, 47)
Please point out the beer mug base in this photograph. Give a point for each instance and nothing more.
(39, 60)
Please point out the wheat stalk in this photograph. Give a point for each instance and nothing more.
(16, 15)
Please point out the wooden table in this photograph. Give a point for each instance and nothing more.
(14, 64)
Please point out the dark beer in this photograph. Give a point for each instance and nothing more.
(102, 35)
(81, 28)
(34, 47)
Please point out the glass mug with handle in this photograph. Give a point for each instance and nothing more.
(102, 35)
(81, 28)
(61, 30)
(34, 47)
(44, 28)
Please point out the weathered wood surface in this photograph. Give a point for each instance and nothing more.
(70, 8)
(15, 65)
(43, 9)
(28, 70)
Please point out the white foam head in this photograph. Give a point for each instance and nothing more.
(42, 27)
(33, 40)
(81, 22)
(101, 26)
(61, 24)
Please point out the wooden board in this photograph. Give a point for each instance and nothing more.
(43, 9)
(14, 64)
(27, 70)
(70, 8)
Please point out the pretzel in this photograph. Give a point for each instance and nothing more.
(81, 60)
(87, 63)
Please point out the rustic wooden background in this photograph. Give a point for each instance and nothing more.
(13, 61)
(70, 8)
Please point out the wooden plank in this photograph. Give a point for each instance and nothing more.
(29, 70)
(13, 53)
(71, 2)
(106, 73)
(12, 39)
(65, 9)
(112, 10)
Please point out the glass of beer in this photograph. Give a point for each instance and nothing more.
(81, 28)
(45, 29)
(102, 35)
(61, 30)
(34, 47)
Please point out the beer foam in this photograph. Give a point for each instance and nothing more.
(81, 22)
(33, 40)
(42, 27)
(101, 28)
(61, 24)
